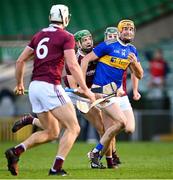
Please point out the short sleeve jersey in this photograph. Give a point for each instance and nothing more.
(113, 61)
(48, 46)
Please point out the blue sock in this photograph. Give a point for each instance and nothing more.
(100, 157)
(98, 148)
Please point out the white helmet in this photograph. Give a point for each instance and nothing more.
(60, 13)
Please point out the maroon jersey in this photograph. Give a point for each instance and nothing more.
(49, 45)
(90, 70)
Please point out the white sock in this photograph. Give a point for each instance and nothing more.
(33, 122)
(95, 150)
(24, 147)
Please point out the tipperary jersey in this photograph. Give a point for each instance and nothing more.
(113, 61)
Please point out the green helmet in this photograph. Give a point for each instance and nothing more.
(110, 30)
(80, 34)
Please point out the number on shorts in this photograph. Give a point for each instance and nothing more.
(42, 49)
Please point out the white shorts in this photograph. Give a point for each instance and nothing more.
(123, 102)
(45, 96)
(74, 98)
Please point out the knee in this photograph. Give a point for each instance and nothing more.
(75, 129)
(53, 134)
(129, 129)
(116, 128)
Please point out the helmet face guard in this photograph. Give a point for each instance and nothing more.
(81, 37)
(60, 13)
(126, 24)
(110, 33)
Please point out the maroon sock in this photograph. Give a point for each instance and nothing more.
(114, 152)
(109, 161)
(28, 119)
(58, 164)
(114, 155)
(19, 150)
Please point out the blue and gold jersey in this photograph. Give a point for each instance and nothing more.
(113, 61)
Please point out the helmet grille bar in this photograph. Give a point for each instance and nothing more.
(61, 15)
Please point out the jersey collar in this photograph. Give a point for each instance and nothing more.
(80, 52)
(121, 42)
(55, 25)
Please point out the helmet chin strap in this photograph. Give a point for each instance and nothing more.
(87, 50)
(80, 44)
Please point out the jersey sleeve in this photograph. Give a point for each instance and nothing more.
(31, 43)
(69, 42)
(100, 50)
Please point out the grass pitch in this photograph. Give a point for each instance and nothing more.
(140, 160)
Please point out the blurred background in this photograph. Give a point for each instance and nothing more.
(20, 19)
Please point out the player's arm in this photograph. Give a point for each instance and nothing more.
(85, 61)
(135, 82)
(99, 51)
(26, 55)
(135, 66)
(76, 72)
(71, 81)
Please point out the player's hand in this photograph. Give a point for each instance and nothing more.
(99, 95)
(19, 90)
(120, 92)
(90, 95)
(87, 92)
(132, 58)
(136, 95)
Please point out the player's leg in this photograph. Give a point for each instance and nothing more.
(116, 114)
(115, 157)
(111, 156)
(130, 124)
(114, 111)
(129, 128)
(67, 117)
(41, 102)
(94, 116)
(108, 122)
(128, 112)
(50, 132)
(25, 120)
